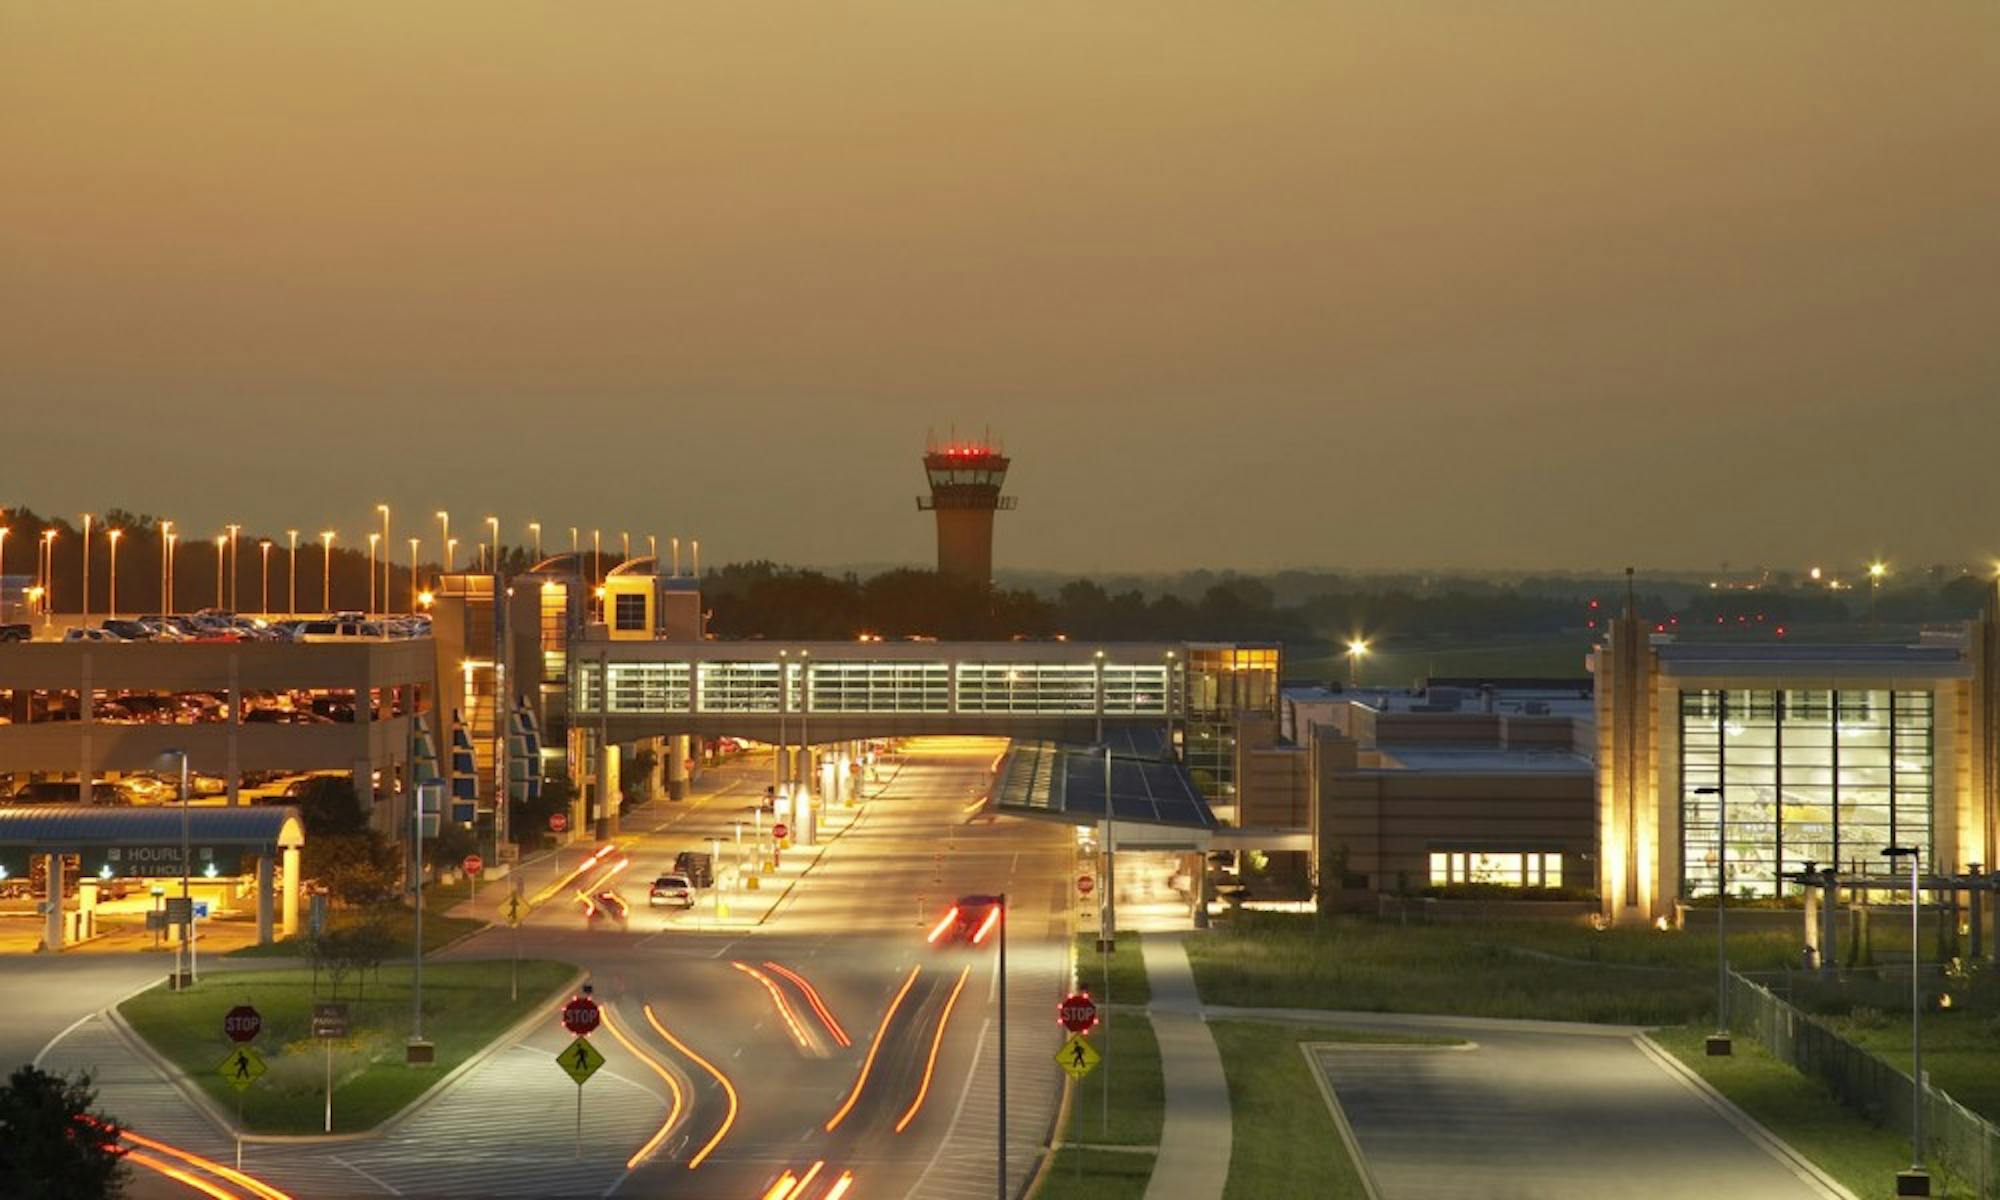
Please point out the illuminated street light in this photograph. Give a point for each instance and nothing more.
(493, 528)
(535, 528)
(374, 540)
(326, 571)
(653, 551)
(233, 563)
(167, 540)
(444, 536)
(4, 531)
(1876, 570)
(112, 601)
(450, 552)
(1916, 1181)
(292, 601)
(413, 574)
(1357, 649)
(1719, 1044)
(221, 545)
(86, 568)
(48, 576)
(264, 571)
(596, 555)
(625, 546)
(388, 548)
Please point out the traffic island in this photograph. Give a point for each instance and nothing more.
(466, 1007)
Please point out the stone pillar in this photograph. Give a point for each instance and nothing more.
(676, 766)
(610, 790)
(264, 899)
(52, 929)
(291, 888)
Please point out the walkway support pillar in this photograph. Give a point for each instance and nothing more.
(290, 928)
(264, 900)
(52, 929)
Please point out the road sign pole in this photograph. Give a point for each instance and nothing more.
(579, 1122)
(1003, 1046)
(239, 1129)
(329, 1085)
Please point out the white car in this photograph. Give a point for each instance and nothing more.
(339, 631)
(671, 889)
(90, 635)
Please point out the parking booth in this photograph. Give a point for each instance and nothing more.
(114, 848)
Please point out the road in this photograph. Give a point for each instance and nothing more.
(831, 1041)
(1517, 1113)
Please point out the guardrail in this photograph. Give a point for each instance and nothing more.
(1955, 1137)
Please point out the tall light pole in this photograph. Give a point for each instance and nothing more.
(187, 856)
(444, 536)
(414, 542)
(388, 548)
(4, 531)
(625, 546)
(234, 563)
(86, 568)
(264, 573)
(1719, 1042)
(573, 549)
(326, 571)
(653, 551)
(1916, 1181)
(167, 567)
(450, 552)
(374, 540)
(674, 544)
(111, 601)
(221, 556)
(1357, 649)
(1876, 570)
(292, 569)
(49, 576)
(493, 530)
(596, 555)
(535, 529)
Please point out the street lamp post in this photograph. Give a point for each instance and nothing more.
(4, 531)
(264, 574)
(292, 566)
(221, 556)
(1356, 649)
(535, 528)
(444, 536)
(1003, 1045)
(111, 602)
(493, 530)
(1719, 1043)
(1876, 570)
(326, 571)
(233, 563)
(388, 549)
(374, 540)
(167, 567)
(49, 576)
(187, 855)
(86, 569)
(1916, 1181)
(413, 574)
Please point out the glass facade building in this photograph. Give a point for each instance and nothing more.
(1801, 775)
(1223, 681)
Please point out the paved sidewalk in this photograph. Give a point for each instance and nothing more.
(1195, 1138)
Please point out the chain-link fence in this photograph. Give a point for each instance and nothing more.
(1955, 1138)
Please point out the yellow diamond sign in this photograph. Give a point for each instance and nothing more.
(242, 1068)
(514, 910)
(580, 1060)
(1078, 1057)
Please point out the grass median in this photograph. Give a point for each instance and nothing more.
(1803, 1114)
(1283, 1138)
(398, 924)
(466, 1006)
(1536, 969)
(1127, 970)
(1137, 1104)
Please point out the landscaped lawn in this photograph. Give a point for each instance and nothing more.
(1536, 969)
(1128, 969)
(1961, 1053)
(1283, 1139)
(466, 1006)
(1096, 1175)
(439, 930)
(1131, 1068)
(1802, 1113)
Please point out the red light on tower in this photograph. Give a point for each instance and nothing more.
(965, 485)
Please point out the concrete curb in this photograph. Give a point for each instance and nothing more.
(1439, 1021)
(1807, 1170)
(1347, 1138)
(860, 812)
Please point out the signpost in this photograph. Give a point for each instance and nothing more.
(1078, 1057)
(242, 1023)
(1077, 1012)
(1085, 885)
(329, 1023)
(513, 910)
(779, 831)
(580, 1060)
(473, 864)
(558, 822)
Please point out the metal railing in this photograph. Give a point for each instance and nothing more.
(1955, 1137)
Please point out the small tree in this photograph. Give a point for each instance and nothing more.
(52, 1146)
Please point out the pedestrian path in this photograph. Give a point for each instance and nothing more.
(1195, 1137)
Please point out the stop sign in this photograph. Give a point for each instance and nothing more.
(473, 864)
(242, 1023)
(780, 830)
(1084, 884)
(1078, 1012)
(558, 822)
(579, 1016)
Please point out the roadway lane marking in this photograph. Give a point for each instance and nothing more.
(727, 1088)
(964, 1093)
(937, 1040)
(874, 1047)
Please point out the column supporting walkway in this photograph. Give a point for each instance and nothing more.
(1196, 1135)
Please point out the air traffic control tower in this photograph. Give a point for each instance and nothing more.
(965, 493)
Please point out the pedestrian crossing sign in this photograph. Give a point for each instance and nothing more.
(580, 1060)
(242, 1068)
(1078, 1057)
(514, 910)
